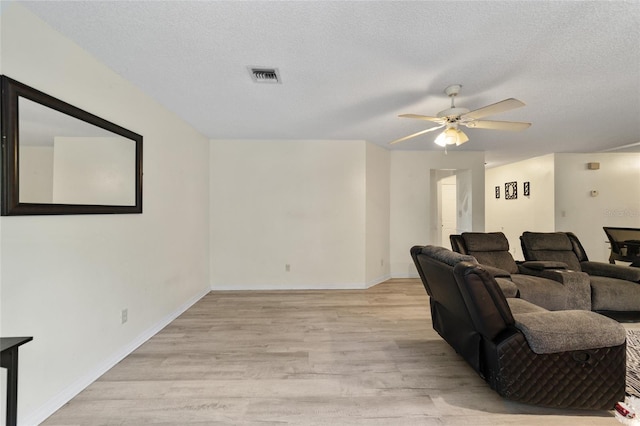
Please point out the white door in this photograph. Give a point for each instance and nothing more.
(449, 208)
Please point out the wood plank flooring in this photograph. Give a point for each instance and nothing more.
(335, 357)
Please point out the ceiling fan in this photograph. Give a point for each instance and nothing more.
(452, 118)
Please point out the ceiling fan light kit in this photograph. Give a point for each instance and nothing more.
(454, 117)
(451, 136)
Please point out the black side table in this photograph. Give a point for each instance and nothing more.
(9, 360)
(633, 252)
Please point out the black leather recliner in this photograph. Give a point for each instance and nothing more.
(564, 359)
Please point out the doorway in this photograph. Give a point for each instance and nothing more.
(448, 209)
(450, 200)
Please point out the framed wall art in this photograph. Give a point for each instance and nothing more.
(511, 190)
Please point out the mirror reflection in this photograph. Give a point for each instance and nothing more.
(64, 160)
(60, 159)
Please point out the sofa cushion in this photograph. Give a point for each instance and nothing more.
(521, 306)
(568, 257)
(612, 294)
(447, 256)
(490, 248)
(548, 241)
(485, 241)
(549, 294)
(620, 272)
(560, 331)
(554, 246)
(498, 259)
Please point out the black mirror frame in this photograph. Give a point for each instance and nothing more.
(10, 185)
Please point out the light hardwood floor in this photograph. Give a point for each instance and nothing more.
(335, 357)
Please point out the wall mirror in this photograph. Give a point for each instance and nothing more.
(59, 159)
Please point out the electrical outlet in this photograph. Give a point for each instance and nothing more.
(125, 315)
(287, 267)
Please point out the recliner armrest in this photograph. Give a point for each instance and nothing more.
(613, 271)
(508, 287)
(563, 276)
(540, 265)
(577, 283)
(496, 272)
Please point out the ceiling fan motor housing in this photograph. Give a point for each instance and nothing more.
(452, 112)
(453, 90)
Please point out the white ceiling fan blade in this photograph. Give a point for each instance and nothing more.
(416, 134)
(498, 107)
(423, 117)
(498, 125)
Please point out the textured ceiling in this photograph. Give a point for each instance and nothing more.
(349, 68)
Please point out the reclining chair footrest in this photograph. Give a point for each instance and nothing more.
(553, 380)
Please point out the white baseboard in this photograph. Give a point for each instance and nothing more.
(299, 286)
(54, 404)
(377, 281)
(404, 276)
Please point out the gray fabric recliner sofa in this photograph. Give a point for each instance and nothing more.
(563, 359)
(547, 284)
(615, 289)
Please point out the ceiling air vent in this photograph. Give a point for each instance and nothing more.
(265, 75)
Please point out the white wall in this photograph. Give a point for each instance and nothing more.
(532, 213)
(296, 203)
(411, 188)
(36, 174)
(65, 279)
(617, 204)
(94, 170)
(377, 215)
(342, 214)
(561, 198)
